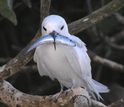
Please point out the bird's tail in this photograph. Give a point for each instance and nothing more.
(100, 87)
(97, 88)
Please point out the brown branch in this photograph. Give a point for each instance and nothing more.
(119, 103)
(96, 16)
(44, 8)
(117, 37)
(23, 58)
(111, 43)
(120, 18)
(114, 45)
(111, 64)
(77, 97)
(15, 98)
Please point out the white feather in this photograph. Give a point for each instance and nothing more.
(100, 87)
(69, 65)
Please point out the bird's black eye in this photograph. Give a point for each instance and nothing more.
(62, 27)
(44, 28)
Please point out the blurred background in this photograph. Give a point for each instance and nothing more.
(106, 39)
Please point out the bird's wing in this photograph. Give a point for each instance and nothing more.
(85, 66)
(83, 58)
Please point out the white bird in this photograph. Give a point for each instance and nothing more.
(69, 65)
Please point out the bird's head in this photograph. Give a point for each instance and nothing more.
(54, 24)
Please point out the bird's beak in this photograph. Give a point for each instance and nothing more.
(53, 34)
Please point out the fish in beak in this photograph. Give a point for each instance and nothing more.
(54, 35)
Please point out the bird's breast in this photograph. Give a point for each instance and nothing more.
(55, 62)
(62, 63)
(54, 54)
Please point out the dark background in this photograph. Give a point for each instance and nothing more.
(14, 38)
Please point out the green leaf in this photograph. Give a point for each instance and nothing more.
(7, 11)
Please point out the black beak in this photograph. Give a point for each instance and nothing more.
(53, 34)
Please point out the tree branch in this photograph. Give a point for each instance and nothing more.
(23, 57)
(119, 17)
(44, 8)
(96, 16)
(119, 103)
(111, 64)
(15, 98)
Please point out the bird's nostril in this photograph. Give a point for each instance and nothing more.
(53, 33)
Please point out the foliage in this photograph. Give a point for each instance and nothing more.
(6, 10)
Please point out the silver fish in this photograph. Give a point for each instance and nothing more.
(49, 39)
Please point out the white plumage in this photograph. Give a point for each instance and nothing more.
(69, 65)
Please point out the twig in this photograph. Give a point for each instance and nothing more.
(96, 16)
(44, 8)
(112, 44)
(119, 103)
(93, 29)
(23, 57)
(102, 2)
(119, 36)
(106, 56)
(119, 17)
(106, 62)
(90, 9)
